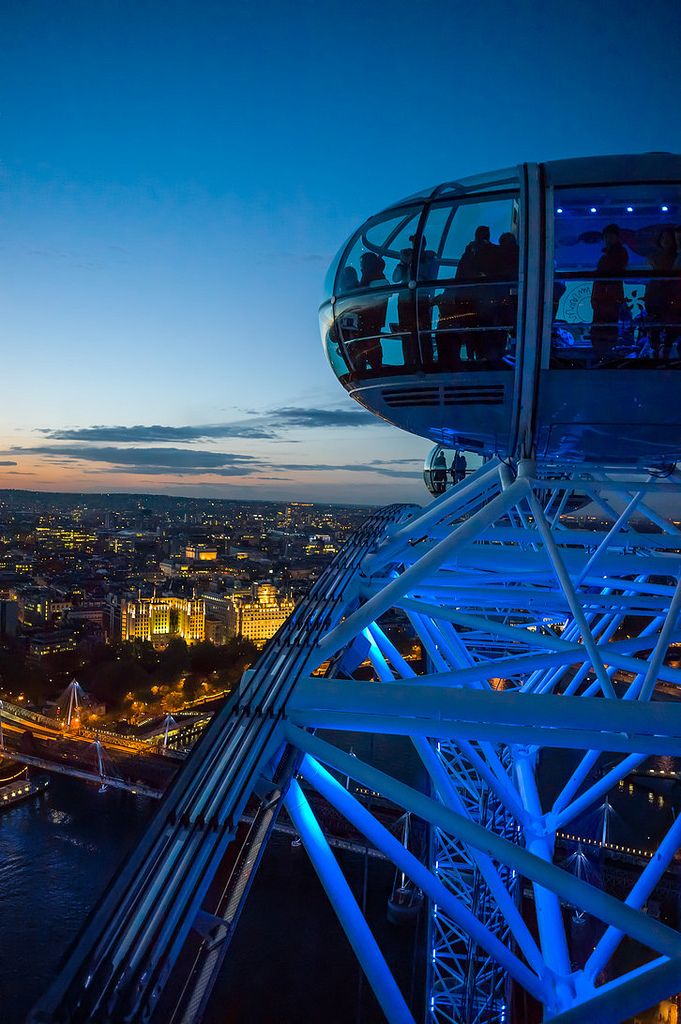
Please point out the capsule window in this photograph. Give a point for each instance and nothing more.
(381, 253)
(470, 239)
(467, 299)
(376, 331)
(617, 279)
(335, 351)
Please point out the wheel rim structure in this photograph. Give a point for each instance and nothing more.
(540, 637)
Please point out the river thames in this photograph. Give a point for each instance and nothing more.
(289, 963)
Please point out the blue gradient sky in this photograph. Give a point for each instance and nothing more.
(176, 176)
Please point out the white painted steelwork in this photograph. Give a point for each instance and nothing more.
(542, 636)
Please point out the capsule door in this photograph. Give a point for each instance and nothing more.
(611, 332)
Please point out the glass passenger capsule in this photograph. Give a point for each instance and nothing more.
(531, 311)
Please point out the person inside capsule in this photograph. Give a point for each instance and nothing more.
(620, 307)
(432, 285)
(659, 293)
(406, 312)
(368, 352)
(452, 305)
(607, 294)
(463, 310)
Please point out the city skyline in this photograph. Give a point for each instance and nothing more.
(175, 187)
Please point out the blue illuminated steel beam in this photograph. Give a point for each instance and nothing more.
(379, 836)
(443, 713)
(337, 889)
(515, 654)
(570, 888)
(614, 1002)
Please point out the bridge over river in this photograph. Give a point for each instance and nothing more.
(144, 764)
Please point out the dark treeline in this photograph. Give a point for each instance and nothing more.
(111, 672)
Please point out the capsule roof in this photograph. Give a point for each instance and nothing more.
(622, 168)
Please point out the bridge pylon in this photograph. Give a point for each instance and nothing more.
(168, 724)
(71, 700)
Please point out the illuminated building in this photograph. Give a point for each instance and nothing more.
(258, 615)
(174, 567)
(33, 605)
(95, 614)
(201, 553)
(320, 544)
(297, 512)
(59, 642)
(218, 609)
(160, 619)
(16, 563)
(129, 541)
(66, 537)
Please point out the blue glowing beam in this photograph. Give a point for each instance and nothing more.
(346, 908)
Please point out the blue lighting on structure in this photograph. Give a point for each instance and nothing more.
(665, 209)
(374, 650)
(630, 209)
(559, 210)
(594, 210)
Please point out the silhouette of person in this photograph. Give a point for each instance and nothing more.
(659, 292)
(506, 302)
(607, 295)
(436, 472)
(459, 466)
(406, 312)
(475, 306)
(372, 268)
(674, 330)
(368, 354)
(428, 269)
(347, 321)
(459, 307)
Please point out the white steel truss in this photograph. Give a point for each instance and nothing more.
(546, 639)
(546, 643)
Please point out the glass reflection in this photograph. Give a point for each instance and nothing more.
(457, 240)
(617, 285)
(378, 331)
(469, 324)
(331, 273)
(332, 343)
(388, 239)
(626, 328)
(468, 327)
(462, 316)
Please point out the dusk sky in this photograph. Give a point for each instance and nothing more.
(176, 177)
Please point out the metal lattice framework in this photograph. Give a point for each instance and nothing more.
(545, 642)
(464, 982)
